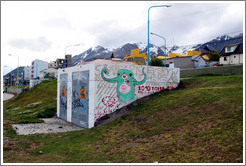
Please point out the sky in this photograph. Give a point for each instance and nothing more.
(48, 30)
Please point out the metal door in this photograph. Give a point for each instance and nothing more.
(63, 96)
(80, 98)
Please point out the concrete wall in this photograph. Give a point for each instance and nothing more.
(35, 82)
(220, 70)
(120, 84)
(111, 86)
(13, 90)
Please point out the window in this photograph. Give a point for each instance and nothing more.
(225, 58)
(228, 49)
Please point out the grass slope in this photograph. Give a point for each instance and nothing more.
(202, 122)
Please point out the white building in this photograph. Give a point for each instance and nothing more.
(232, 54)
(27, 73)
(37, 66)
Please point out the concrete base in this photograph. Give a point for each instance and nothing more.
(51, 125)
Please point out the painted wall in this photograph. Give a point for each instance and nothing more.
(120, 84)
(109, 86)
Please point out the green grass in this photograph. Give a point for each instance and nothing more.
(201, 123)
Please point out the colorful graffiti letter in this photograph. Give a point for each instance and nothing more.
(125, 84)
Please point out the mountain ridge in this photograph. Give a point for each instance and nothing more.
(99, 52)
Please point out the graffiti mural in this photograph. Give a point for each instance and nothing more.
(80, 88)
(63, 96)
(120, 84)
(125, 84)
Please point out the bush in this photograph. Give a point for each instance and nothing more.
(156, 62)
(214, 56)
(47, 113)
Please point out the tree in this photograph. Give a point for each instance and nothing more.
(156, 62)
(214, 56)
(112, 56)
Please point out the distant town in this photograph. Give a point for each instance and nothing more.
(229, 51)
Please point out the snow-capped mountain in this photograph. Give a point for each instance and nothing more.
(100, 52)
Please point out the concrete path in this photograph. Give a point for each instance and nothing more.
(7, 96)
(51, 125)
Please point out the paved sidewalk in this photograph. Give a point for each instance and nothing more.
(7, 96)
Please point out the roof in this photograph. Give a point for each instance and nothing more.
(194, 57)
(238, 50)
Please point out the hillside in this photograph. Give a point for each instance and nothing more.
(201, 123)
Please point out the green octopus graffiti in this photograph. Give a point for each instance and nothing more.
(125, 84)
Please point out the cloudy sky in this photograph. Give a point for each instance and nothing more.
(43, 30)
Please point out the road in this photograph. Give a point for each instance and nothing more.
(7, 96)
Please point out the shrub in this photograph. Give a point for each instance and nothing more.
(156, 62)
(47, 113)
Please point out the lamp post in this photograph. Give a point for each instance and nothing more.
(148, 26)
(17, 72)
(165, 46)
(65, 52)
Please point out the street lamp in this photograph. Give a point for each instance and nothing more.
(17, 71)
(65, 52)
(165, 46)
(148, 26)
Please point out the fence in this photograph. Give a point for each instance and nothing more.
(219, 70)
(13, 90)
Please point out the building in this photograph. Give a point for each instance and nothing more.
(37, 66)
(22, 78)
(61, 63)
(86, 93)
(232, 54)
(48, 73)
(52, 64)
(187, 62)
(136, 57)
(68, 61)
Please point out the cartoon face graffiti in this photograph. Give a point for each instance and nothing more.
(125, 84)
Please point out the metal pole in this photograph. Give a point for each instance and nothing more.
(17, 74)
(148, 27)
(165, 45)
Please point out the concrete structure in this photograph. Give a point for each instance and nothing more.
(48, 73)
(35, 82)
(68, 61)
(89, 91)
(53, 64)
(232, 54)
(37, 66)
